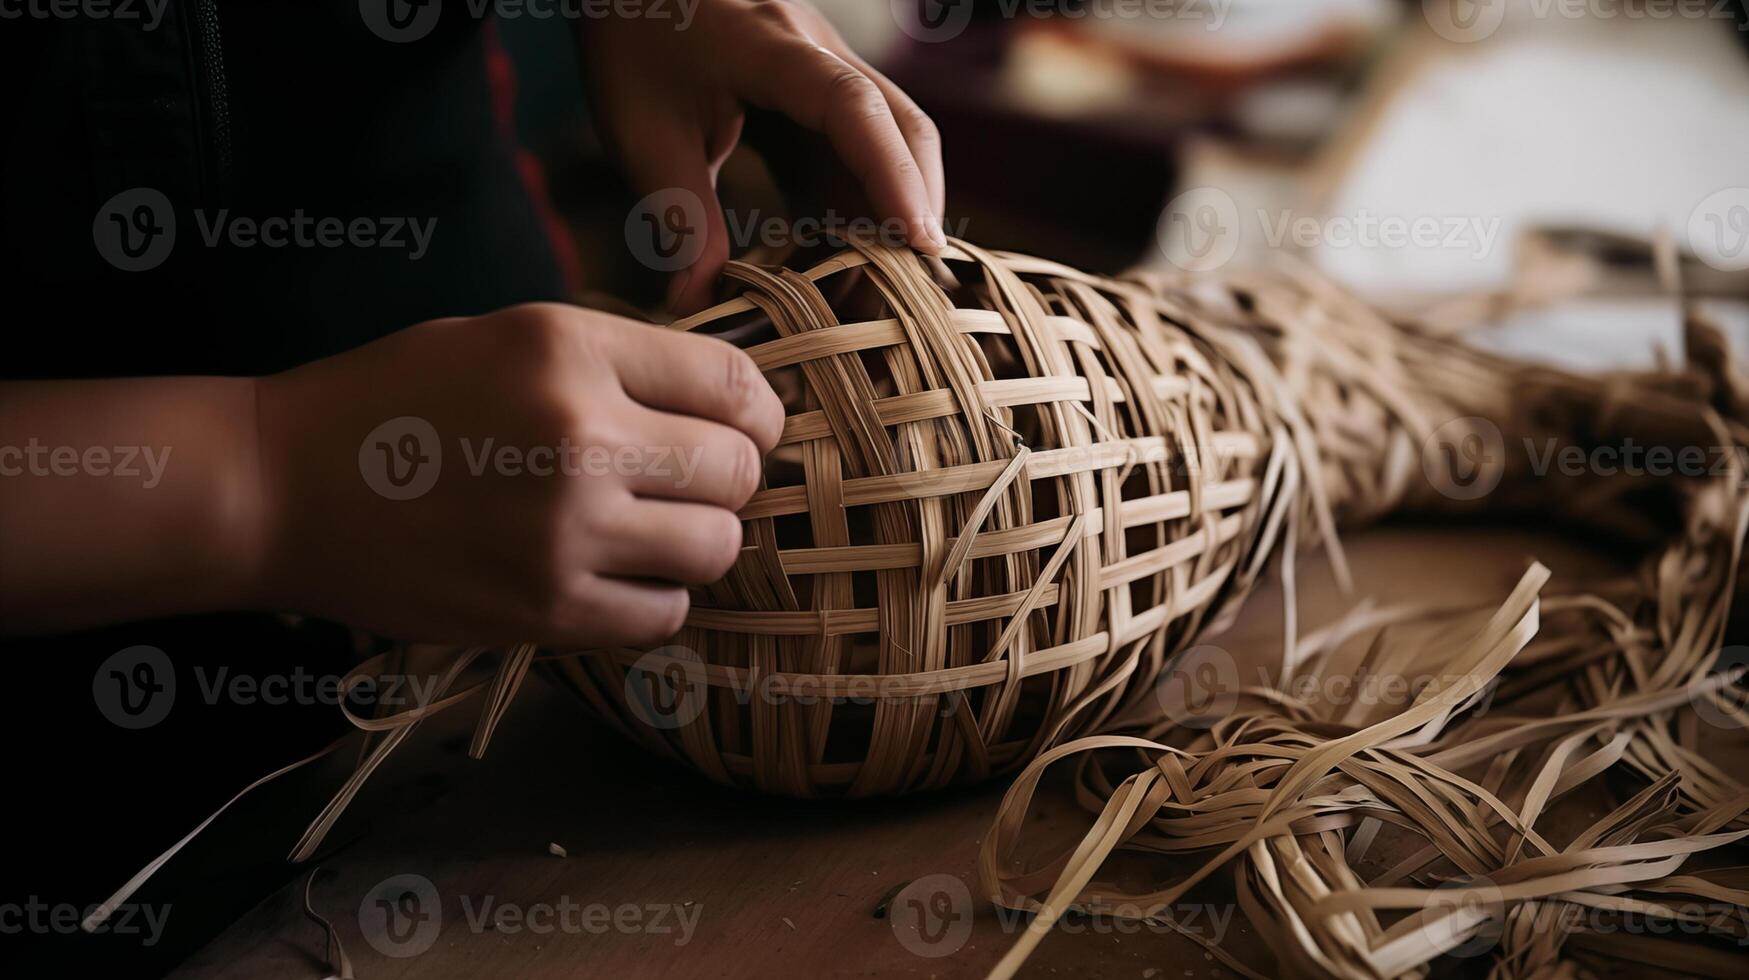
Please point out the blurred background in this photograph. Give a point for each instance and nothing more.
(1455, 161)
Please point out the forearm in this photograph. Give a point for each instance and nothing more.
(125, 499)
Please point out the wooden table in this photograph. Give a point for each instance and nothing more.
(767, 887)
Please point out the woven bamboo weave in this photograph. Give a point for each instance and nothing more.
(1007, 493)
(1617, 711)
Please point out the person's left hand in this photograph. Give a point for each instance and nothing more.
(671, 102)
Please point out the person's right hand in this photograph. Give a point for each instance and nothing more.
(671, 98)
(666, 433)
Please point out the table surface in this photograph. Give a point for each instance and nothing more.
(712, 883)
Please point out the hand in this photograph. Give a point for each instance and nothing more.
(671, 101)
(582, 469)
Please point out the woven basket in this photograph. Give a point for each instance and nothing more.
(1007, 493)
(1563, 763)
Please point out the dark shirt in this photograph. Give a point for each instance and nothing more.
(300, 110)
(220, 117)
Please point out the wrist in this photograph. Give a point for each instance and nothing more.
(150, 505)
(269, 564)
(241, 509)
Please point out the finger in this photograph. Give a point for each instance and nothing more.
(823, 92)
(920, 132)
(673, 371)
(613, 611)
(672, 165)
(697, 460)
(693, 544)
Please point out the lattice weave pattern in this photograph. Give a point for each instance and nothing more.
(1006, 494)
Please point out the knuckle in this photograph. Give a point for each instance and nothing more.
(744, 470)
(742, 382)
(555, 600)
(598, 428)
(542, 329)
(592, 513)
(849, 86)
(673, 618)
(779, 14)
(557, 419)
(665, 617)
(904, 165)
(922, 127)
(721, 547)
(553, 413)
(595, 335)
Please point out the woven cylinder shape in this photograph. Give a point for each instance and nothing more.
(1007, 492)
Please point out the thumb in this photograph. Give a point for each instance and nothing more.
(678, 226)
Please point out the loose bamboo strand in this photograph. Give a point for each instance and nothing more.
(1008, 494)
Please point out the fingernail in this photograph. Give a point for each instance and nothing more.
(677, 289)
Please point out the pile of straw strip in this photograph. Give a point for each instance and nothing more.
(1620, 696)
(1009, 494)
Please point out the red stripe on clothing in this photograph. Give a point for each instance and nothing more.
(501, 76)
